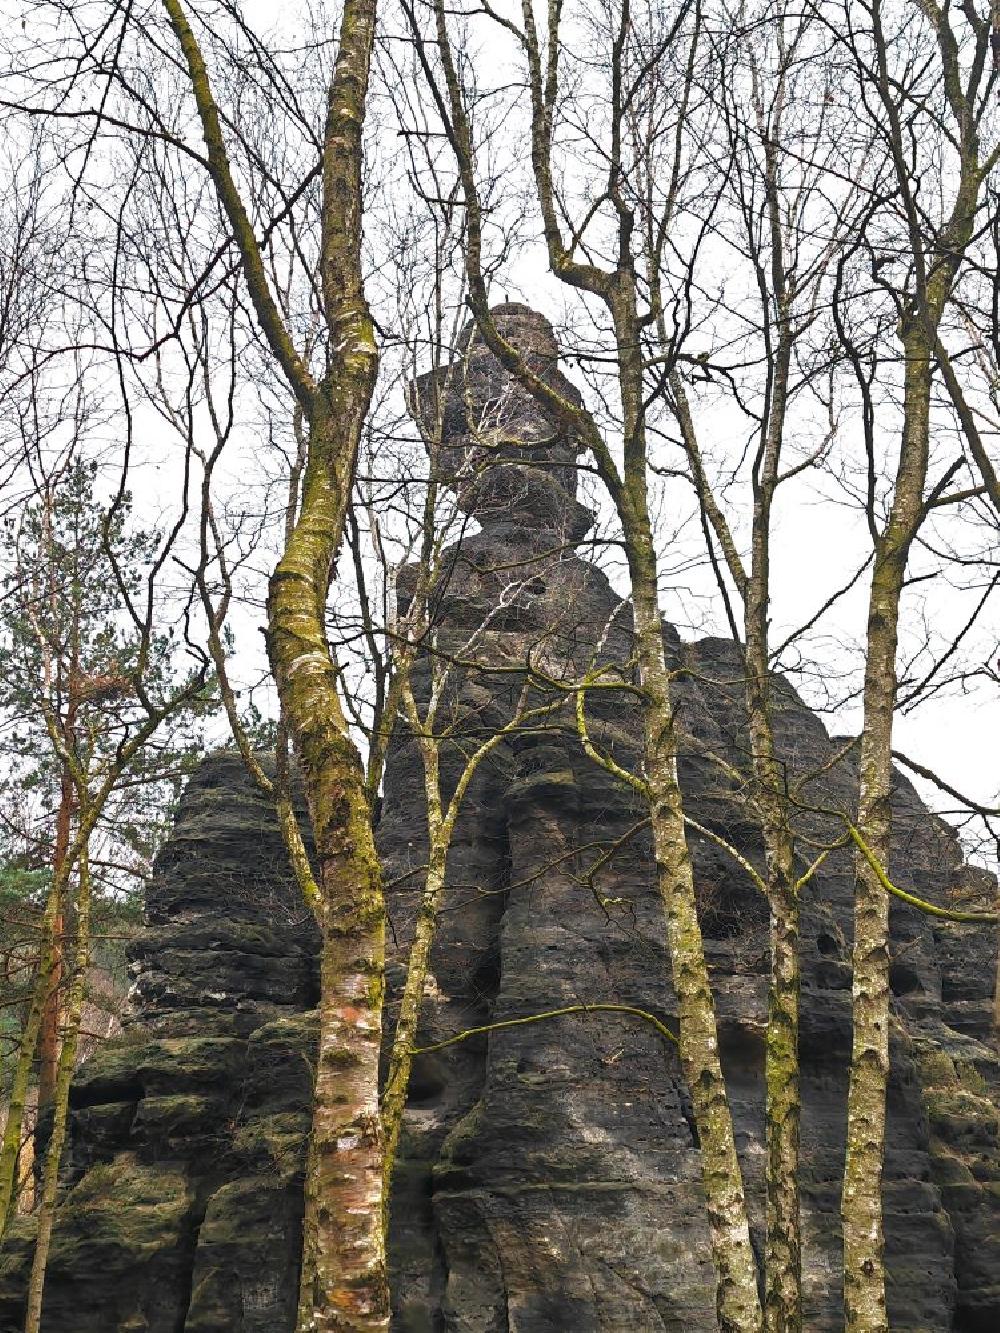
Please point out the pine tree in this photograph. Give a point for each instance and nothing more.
(88, 680)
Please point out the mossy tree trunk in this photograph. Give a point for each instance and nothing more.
(783, 1106)
(935, 253)
(439, 830)
(738, 1302)
(737, 1299)
(782, 886)
(782, 1127)
(861, 1203)
(343, 1282)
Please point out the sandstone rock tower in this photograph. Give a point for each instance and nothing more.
(549, 1175)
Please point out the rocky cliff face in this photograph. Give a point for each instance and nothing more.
(549, 1175)
(183, 1192)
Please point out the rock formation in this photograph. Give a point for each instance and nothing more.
(549, 1173)
(183, 1185)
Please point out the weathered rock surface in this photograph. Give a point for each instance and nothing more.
(182, 1180)
(549, 1175)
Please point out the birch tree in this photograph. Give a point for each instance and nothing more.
(343, 1282)
(617, 288)
(916, 268)
(122, 67)
(777, 130)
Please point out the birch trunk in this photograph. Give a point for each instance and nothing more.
(783, 1248)
(783, 1106)
(861, 1204)
(737, 1300)
(343, 1283)
(441, 823)
(936, 255)
(783, 1109)
(440, 827)
(404, 1039)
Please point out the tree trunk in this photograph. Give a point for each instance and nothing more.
(11, 1144)
(783, 1109)
(343, 1283)
(783, 1248)
(67, 1065)
(401, 1057)
(738, 1302)
(48, 1047)
(861, 1203)
(25, 1186)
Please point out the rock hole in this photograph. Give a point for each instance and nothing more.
(427, 1081)
(904, 979)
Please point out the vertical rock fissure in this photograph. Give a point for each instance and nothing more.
(189, 1252)
(489, 973)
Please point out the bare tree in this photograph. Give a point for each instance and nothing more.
(771, 79)
(934, 101)
(618, 288)
(122, 65)
(616, 172)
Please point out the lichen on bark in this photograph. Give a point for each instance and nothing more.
(343, 1281)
